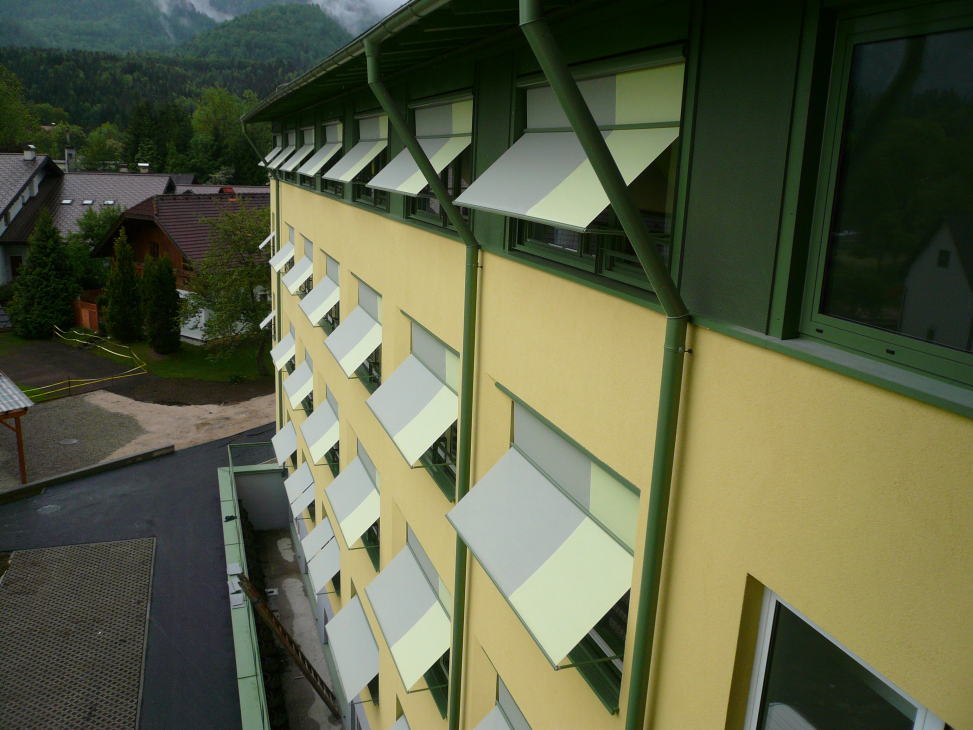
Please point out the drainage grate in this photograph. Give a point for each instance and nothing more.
(72, 637)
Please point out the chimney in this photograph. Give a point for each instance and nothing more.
(30, 153)
(143, 167)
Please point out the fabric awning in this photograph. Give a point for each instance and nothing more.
(322, 554)
(320, 300)
(354, 501)
(298, 384)
(546, 176)
(271, 156)
(401, 724)
(280, 258)
(283, 351)
(320, 431)
(285, 443)
(558, 569)
(495, 720)
(358, 157)
(297, 158)
(299, 274)
(353, 648)
(319, 159)
(268, 319)
(267, 240)
(298, 486)
(354, 340)
(415, 624)
(414, 407)
(282, 157)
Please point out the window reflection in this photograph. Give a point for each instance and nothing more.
(900, 252)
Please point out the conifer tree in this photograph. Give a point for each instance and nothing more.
(46, 285)
(123, 315)
(160, 305)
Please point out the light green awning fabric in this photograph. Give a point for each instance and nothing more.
(283, 351)
(282, 157)
(268, 319)
(353, 647)
(320, 431)
(546, 176)
(413, 621)
(355, 501)
(319, 159)
(402, 175)
(558, 569)
(401, 724)
(495, 720)
(322, 554)
(354, 340)
(320, 300)
(299, 482)
(358, 157)
(280, 258)
(298, 384)
(298, 275)
(414, 407)
(285, 443)
(268, 239)
(297, 158)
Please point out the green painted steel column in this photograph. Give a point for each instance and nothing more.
(464, 451)
(566, 90)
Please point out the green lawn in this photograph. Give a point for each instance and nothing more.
(192, 362)
(9, 342)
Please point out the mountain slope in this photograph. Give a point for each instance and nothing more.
(297, 34)
(99, 25)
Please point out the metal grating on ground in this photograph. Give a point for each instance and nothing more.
(73, 625)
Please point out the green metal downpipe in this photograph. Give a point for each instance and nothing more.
(566, 90)
(398, 120)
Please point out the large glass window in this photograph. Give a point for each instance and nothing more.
(896, 260)
(456, 177)
(365, 194)
(805, 680)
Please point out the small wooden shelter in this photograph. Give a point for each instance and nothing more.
(13, 405)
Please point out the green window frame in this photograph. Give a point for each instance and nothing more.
(378, 199)
(599, 656)
(370, 371)
(332, 457)
(371, 539)
(852, 28)
(440, 461)
(332, 319)
(437, 679)
(425, 206)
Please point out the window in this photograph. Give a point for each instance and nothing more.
(66, 201)
(437, 679)
(360, 189)
(16, 262)
(437, 676)
(804, 679)
(332, 319)
(456, 178)
(333, 187)
(109, 202)
(892, 254)
(307, 403)
(505, 701)
(370, 371)
(440, 461)
(336, 583)
(373, 693)
(87, 202)
(154, 249)
(371, 542)
(600, 654)
(332, 458)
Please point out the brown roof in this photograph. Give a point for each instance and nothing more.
(16, 172)
(125, 189)
(183, 218)
(208, 189)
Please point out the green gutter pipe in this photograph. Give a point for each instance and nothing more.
(566, 90)
(402, 128)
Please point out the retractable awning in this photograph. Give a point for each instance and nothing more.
(353, 648)
(354, 501)
(268, 319)
(267, 240)
(300, 489)
(320, 300)
(280, 258)
(546, 176)
(354, 340)
(298, 384)
(322, 554)
(271, 156)
(283, 351)
(297, 158)
(415, 624)
(559, 570)
(299, 274)
(319, 159)
(414, 407)
(320, 431)
(282, 157)
(401, 724)
(495, 720)
(373, 133)
(285, 443)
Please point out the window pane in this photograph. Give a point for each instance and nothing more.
(900, 251)
(811, 679)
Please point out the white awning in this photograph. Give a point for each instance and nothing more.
(299, 384)
(354, 340)
(402, 175)
(320, 300)
(319, 159)
(299, 482)
(268, 319)
(267, 240)
(357, 159)
(414, 623)
(280, 258)
(282, 157)
(298, 274)
(297, 158)
(401, 724)
(354, 501)
(283, 351)
(546, 176)
(271, 156)
(322, 554)
(320, 431)
(495, 720)
(414, 407)
(285, 443)
(353, 647)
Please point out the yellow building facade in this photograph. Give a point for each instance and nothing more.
(819, 525)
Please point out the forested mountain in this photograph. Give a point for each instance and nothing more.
(299, 34)
(100, 25)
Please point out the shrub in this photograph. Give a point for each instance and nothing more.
(160, 305)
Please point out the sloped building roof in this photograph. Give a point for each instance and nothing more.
(183, 218)
(101, 188)
(211, 189)
(16, 172)
(12, 398)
